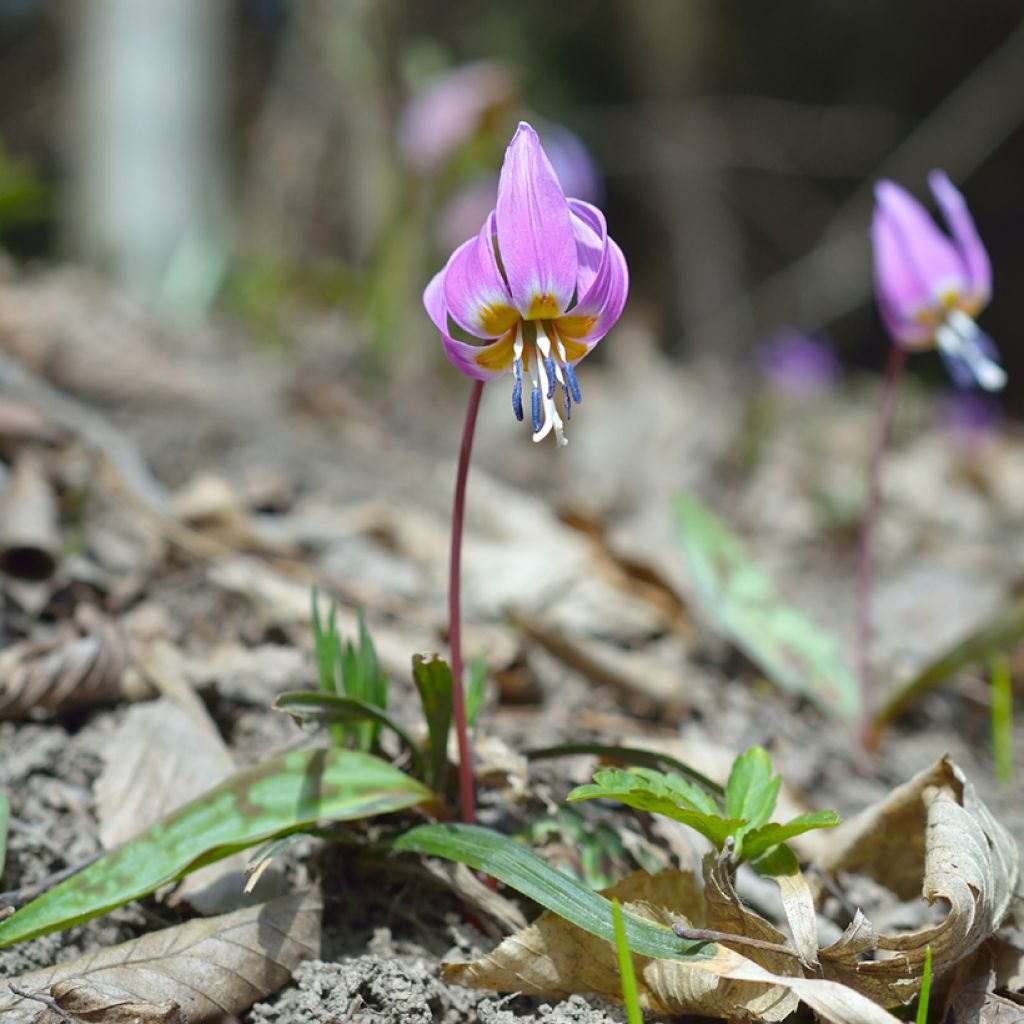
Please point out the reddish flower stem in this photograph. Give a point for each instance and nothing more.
(467, 798)
(865, 555)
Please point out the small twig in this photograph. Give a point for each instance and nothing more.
(27, 892)
(47, 1001)
(708, 935)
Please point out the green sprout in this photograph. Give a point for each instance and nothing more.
(740, 824)
(630, 997)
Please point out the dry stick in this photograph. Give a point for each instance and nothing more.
(709, 935)
(865, 562)
(467, 797)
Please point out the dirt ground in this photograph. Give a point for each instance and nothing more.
(202, 487)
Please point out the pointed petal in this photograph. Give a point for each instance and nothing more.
(591, 233)
(918, 265)
(474, 291)
(604, 281)
(535, 238)
(465, 358)
(977, 267)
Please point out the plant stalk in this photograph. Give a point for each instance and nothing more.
(865, 554)
(467, 798)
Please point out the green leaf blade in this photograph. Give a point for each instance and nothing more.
(752, 790)
(286, 794)
(515, 865)
(743, 602)
(436, 687)
(759, 840)
(651, 791)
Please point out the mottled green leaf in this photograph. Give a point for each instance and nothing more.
(286, 794)
(652, 791)
(434, 682)
(742, 601)
(512, 863)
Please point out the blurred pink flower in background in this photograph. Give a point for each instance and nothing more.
(450, 110)
(930, 286)
(536, 288)
(794, 363)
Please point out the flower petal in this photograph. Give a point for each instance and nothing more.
(978, 269)
(474, 290)
(591, 233)
(535, 238)
(465, 358)
(604, 280)
(921, 265)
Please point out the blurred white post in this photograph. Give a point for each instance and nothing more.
(147, 108)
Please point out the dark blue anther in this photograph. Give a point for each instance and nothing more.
(536, 409)
(574, 384)
(517, 390)
(549, 366)
(568, 401)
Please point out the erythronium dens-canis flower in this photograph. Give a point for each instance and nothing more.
(535, 290)
(931, 286)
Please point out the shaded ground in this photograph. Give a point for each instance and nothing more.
(270, 475)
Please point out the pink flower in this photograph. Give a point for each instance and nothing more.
(931, 286)
(450, 111)
(535, 290)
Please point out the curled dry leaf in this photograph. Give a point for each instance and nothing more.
(931, 837)
(205, 969)
(555, 959)
(75, 667)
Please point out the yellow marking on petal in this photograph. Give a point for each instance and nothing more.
(576, 326)
(497, 319)
(574, 350)
(498, 355)
(543, 307)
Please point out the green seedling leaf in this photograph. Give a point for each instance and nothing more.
(475, 689)
(287, 794)
(1006, 629)
(758, 841)
(648, 790)
(926, 988)
(630, 996)
(363, 680)
(742, 601)
(508, 861)
(434, 682)
(628, 755)
(1001, 689)
(333, 708)
(752, 790)
(327, 650)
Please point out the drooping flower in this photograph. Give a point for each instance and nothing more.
(536, 289)
(931, 286)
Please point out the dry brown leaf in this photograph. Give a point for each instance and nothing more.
(208, 967)
(933, 837)
(102, 1004)
(165, 753)
(555, 959)
(73, 667)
